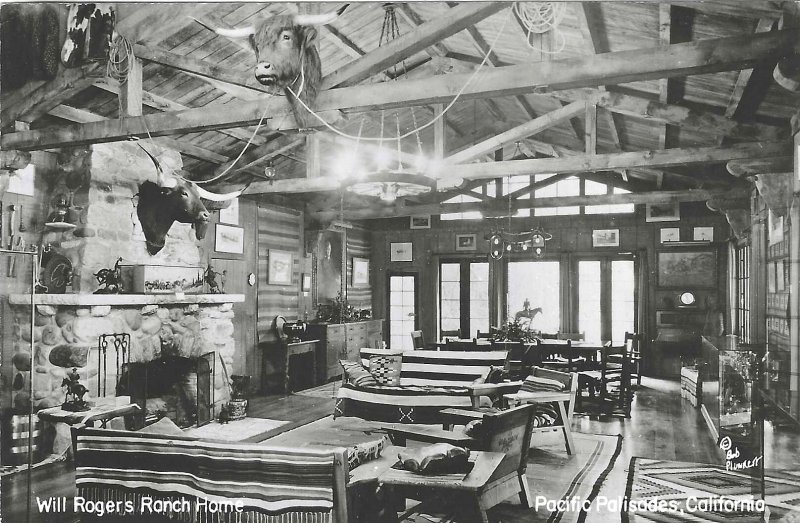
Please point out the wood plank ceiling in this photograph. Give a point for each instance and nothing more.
(186, 66)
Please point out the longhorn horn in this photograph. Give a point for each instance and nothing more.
(162, 179)
(207, 195)
(319, 19)
(239, 32)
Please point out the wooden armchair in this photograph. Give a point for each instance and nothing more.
(565, 402)
(418, 340)
(507, 431)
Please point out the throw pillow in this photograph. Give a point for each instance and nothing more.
(495, 375)
(386, 369)
(163, 426)
(367, 451)
(356, 375)
(539, 384)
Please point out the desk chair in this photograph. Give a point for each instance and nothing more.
(418, 340)
(559, 356)
(508, 431)
(612, 380)
(447, 335)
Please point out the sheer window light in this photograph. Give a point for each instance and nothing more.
(567, 187)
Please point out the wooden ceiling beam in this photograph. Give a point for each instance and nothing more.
(28, 106)
(743, 80)
(414, 20)
(400, 210)
(521, 131)
(705, 122)
(573, 164)
(165, 104)
(703, 56)
(262, 153)
(411, 43)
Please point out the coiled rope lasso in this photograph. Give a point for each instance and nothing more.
(539, 18)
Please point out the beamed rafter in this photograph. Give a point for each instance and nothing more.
(394, 211)
(573, 164)
(703, 56)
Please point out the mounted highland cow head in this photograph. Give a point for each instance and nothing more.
(286, 56)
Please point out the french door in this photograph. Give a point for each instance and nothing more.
(403, 309)
(606, 301)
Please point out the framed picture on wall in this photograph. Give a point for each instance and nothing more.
(605, 238)
(328, 256)
(703, 234)
(670, 234)
(466, 242)
(687, 269)
(306, 283)
(280, 267)
(420, 222)
(400, 252)
(230, 214)
(228, 238)
(360, 272)
(663, 212)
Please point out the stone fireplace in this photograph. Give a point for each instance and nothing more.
(67, 328)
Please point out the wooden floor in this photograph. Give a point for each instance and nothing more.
(661, 426)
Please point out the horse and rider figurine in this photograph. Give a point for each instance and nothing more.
(73, 401)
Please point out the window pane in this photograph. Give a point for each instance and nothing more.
(478, 297)
(538, 282)
(479, 271)
(622, 298)
(451, 272)
(619, 208)
(401, 311)
(451, 290)
(589, 309)
(592, 188)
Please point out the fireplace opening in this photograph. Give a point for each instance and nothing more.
(176, 387)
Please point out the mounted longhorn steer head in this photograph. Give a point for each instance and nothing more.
(286, 58)
(160, 207)
(173, 199)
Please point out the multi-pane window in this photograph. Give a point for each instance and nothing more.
(568, 187)
(515, 183)
(464, 297)
(623, 306)
(590, 307)
(742, 278)
(402, 311)
(468, 215)
(602, 282)
(538, 283)
(594, 188)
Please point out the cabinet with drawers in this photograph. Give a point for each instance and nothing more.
(342, 341)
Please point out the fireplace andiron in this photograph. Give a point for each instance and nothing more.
(73, 401)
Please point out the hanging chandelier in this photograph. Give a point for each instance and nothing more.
(501, 242)
(385, 177)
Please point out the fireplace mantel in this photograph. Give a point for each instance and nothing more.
(123, 299)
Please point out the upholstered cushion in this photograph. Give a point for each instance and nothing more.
(545, 415)
(162, 426)
(439, 458)
(386, 368)
(539, 384)
(367, 451)
(357, 375)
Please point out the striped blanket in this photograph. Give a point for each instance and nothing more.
(186, 479)
(430, 381)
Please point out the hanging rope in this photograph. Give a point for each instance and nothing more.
(424, 126)
(539, 18)
(120, 58)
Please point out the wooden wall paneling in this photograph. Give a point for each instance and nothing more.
(279, 228)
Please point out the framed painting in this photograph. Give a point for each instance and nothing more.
(328, 256)
(466, 242)
(703, 234)
(663, 212)
(420, 222)
(605, 238)
(230, 214)
(280, 267)
(401, 252)
(229, 238)
(687, 269)
(306, 283)
(360, 272)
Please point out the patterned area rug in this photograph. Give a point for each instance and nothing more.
(240, 430)
(554, 477)
(692, 492)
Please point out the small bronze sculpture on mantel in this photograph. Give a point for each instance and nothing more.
(111, 278)
(214, 287)
(73, 401)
